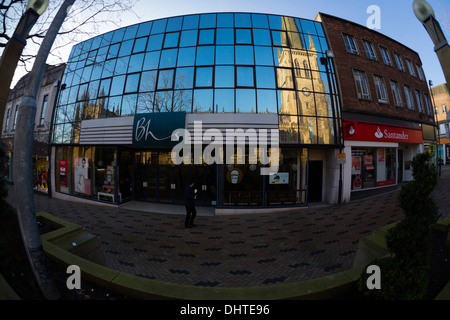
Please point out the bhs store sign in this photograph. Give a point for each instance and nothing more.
(155, 129)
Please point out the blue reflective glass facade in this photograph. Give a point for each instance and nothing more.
(206, 63)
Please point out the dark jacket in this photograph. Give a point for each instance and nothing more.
(189, 196)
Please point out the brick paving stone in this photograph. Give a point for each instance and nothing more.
(236, 251)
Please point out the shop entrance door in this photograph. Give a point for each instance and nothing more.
(315, 181)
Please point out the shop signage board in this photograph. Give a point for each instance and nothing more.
(367, 131)
(155, 129)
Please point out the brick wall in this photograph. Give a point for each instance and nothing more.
(346, 62)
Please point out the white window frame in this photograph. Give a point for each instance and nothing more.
(350, 44)
(398, 101)
(409, 97)
(370, 50)
(380, 87)
(362, 85)
(385, 55)
(399, 62)
(419, 101)
(410, 67)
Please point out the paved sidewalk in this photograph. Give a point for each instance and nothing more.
(236, 251)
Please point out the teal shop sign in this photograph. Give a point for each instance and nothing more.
(155, 129)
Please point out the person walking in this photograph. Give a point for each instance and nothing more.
(189, 201)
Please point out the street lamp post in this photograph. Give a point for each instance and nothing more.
(425, 14)
(14, 47)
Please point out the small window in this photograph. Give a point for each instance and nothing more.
(398, 102)
(399, 62)
(410, 67)
(419, 101)
(420, 72)
(165, 79)
(444, 108)
(409, 98)
(362, 85)
(428, 104)
(206, 36)
(171, 40)
(386, 57)
(243, 36)
(188, 38)
(244, 77)
(43, 110)
(350, 44)
(204, 77)
(381, 89)
(368, 46)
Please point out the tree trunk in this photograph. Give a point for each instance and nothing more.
(23, 162)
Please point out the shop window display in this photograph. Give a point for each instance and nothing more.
(373, 167)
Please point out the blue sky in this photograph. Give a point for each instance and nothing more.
(397, 18)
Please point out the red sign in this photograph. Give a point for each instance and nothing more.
(367, 131)
(63, 173)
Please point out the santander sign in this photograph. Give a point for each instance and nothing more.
(366, 131)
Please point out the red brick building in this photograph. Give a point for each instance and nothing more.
(386, 106)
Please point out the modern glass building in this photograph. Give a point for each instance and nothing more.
(124, 92)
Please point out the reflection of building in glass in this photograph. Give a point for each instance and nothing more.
(229, 71)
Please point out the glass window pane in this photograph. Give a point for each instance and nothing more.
(262, 37)
(323, 105)
(224, 100)
(208, 20)
(125, 48)
(205, 55)
(101, 55)
(159, 26)
(171, 40)
(224, 55)
(151, 60)
(203, 100)
(267, 101)
(148, 81)
(140, 45)
(114, 105)
(325, 130)
(245, 100)
(118, 35)
(130, 32)
(106, 40)
(319, 29)
(308, 133)
(279, 38)
(184, 78)
(259, 20)
(145, 102)
(287, 102)
(225, 36)
(182, 100)
(86, 76)
(265, 77)
(129, 103)
(225, 20)
(117, 85)
(163, 101)
(263, 56)
(165, 79)
(206, 37)
(224, 77)
(82, 90)
(186, 57)
(132, 83)
(174, 24)
(144, 29)
(136, 62)
(308, 27)
(103, 90)
(289, 131)
(243, 36)
(155, 42)
(282, 57)
(284, 78)
(203, 77)
(121, 65)
(168, 58)
(93, 89)
(188, 38)
(113, 51)
(244, 55)
(190, 22)
(242, 20)
(306, 102)
(244, 77)
(276, 22)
